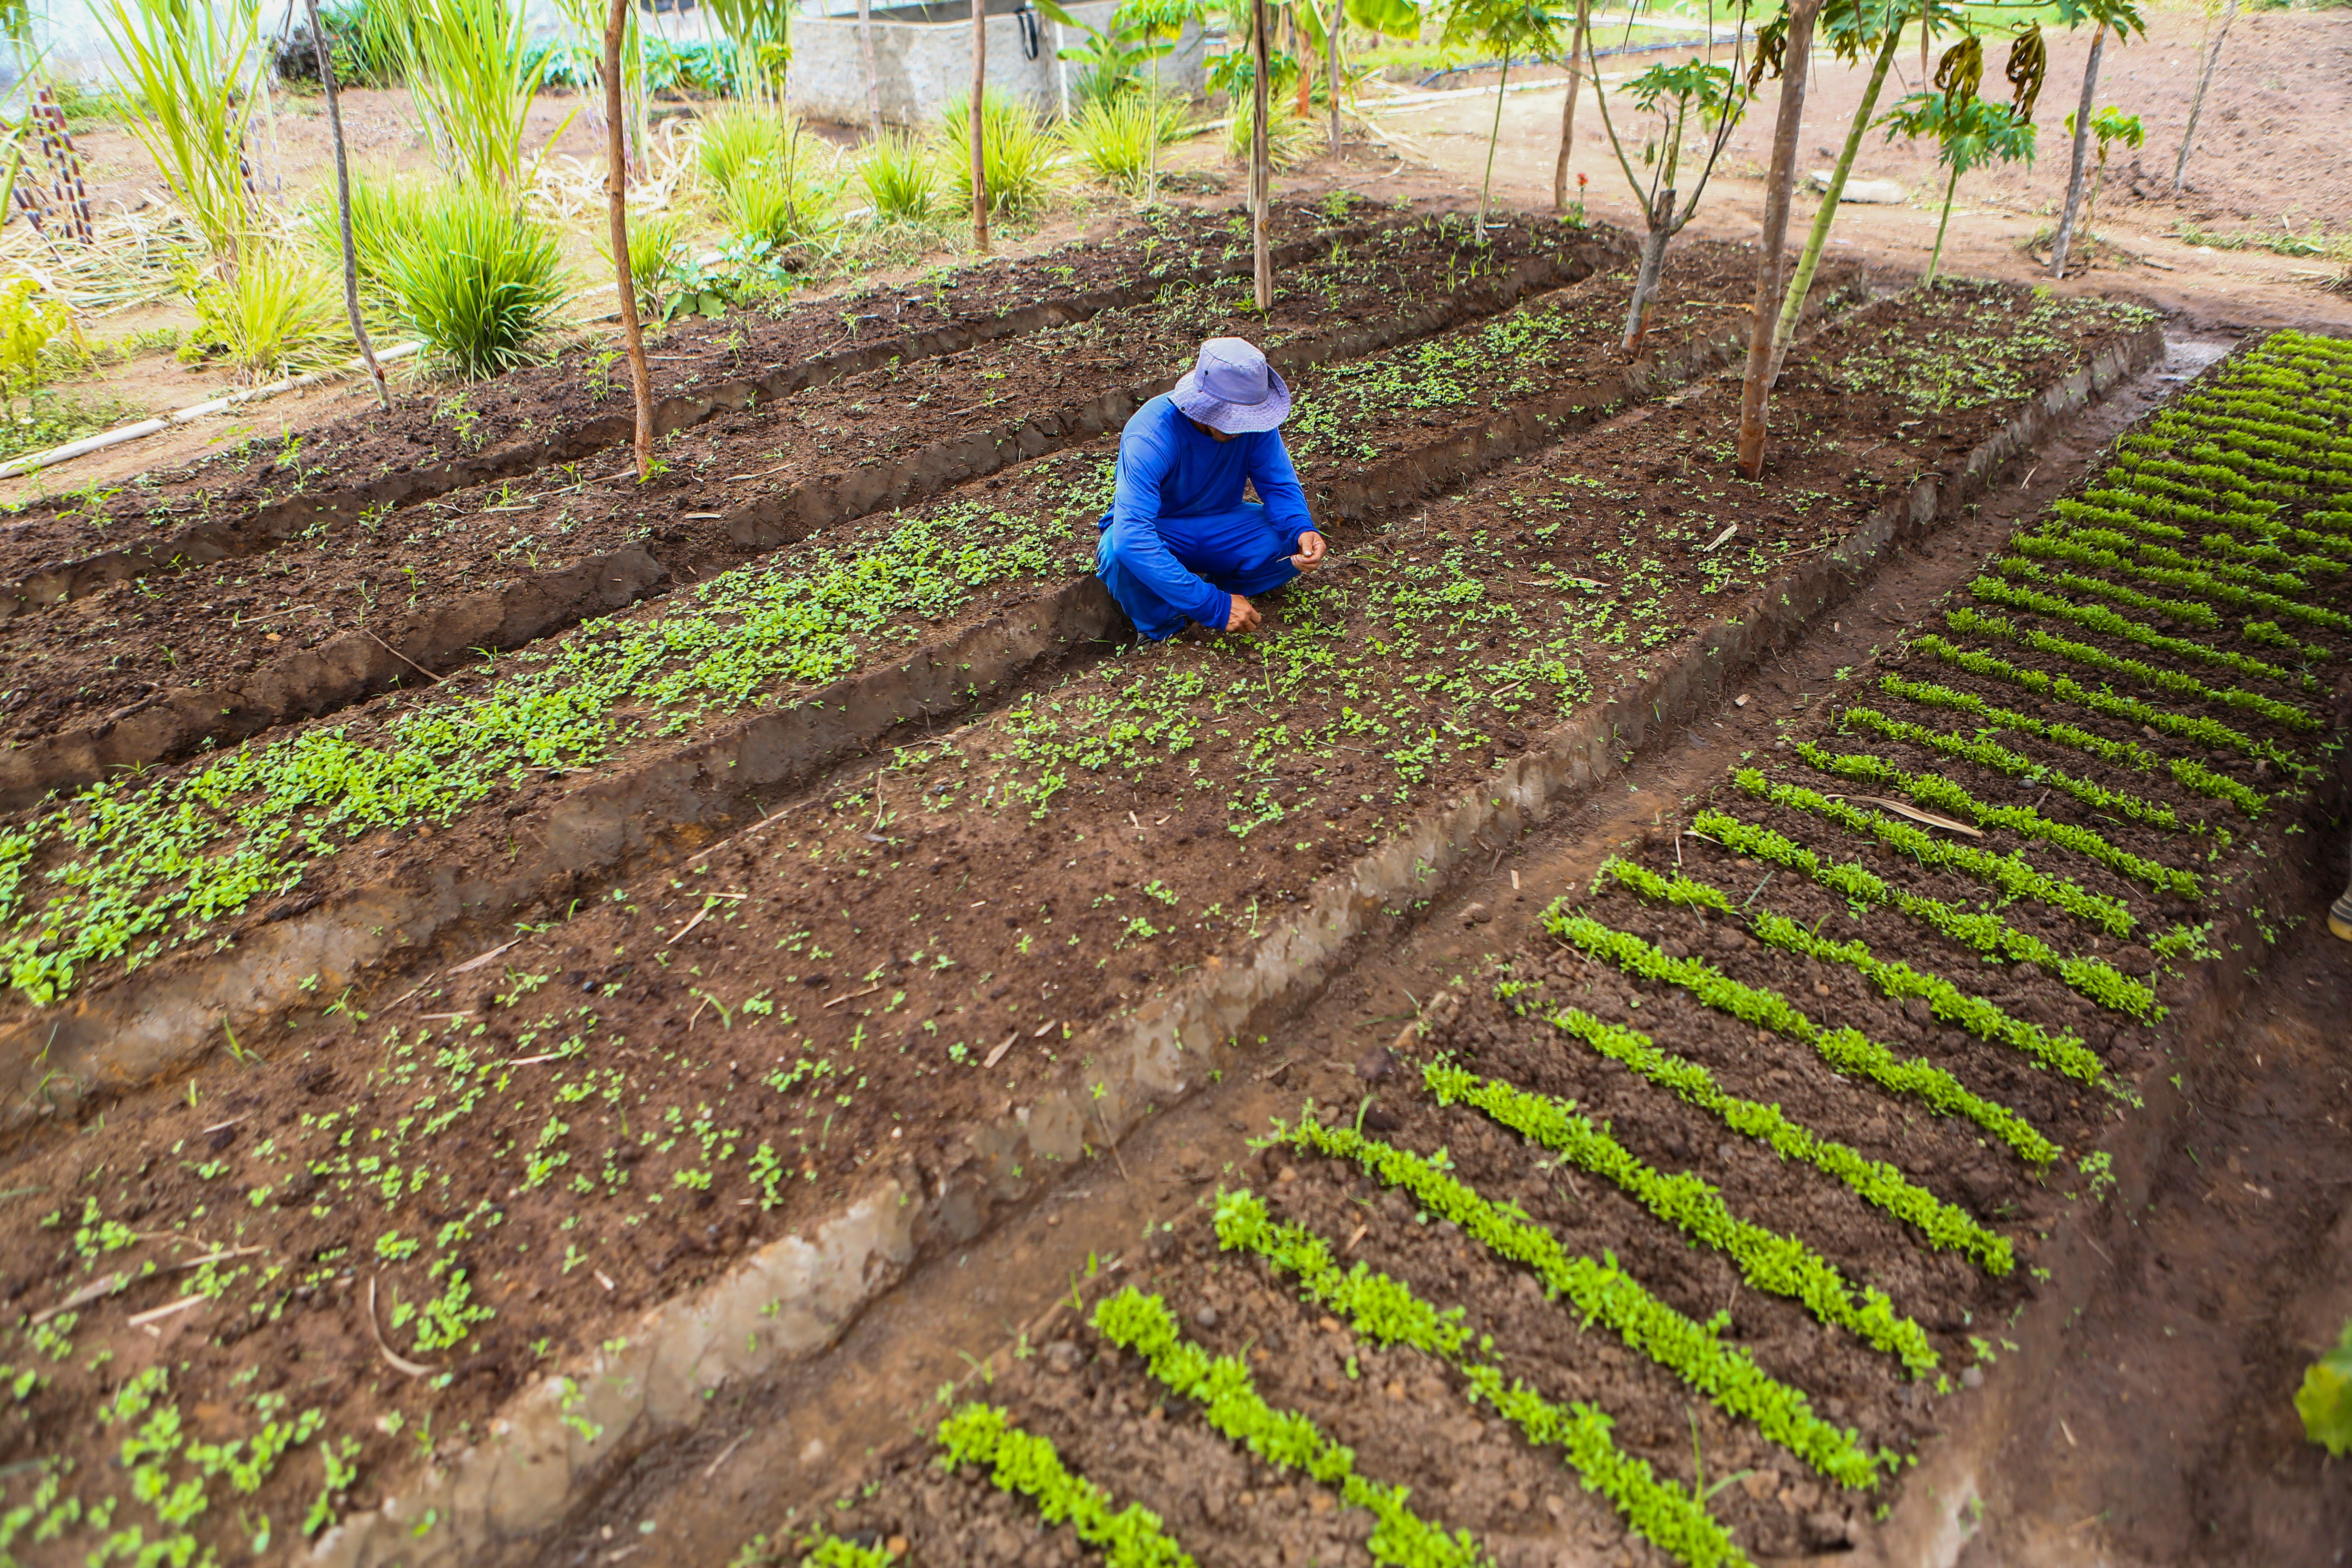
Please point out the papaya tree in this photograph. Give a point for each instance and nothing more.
(2121, 18)
(2109, 126)
(1508, 27)
(1856, 29)
(1969, 132)
(1692, 95)
(1784, 47)
(2204, 78)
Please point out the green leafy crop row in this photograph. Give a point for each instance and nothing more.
(1846, 1050)
(1883, 1186)
(2176, 683)
(1387, 1313)
(151, 864)
(2099, 618)
(1771, 1262)
(2009, 873)
(2188, 773)
(2193, 727)
(1934, 790)
(2060, 1052)
(1984, 930)
(2149, 525)
(1604, 1293)
(2189, 613)
(1024, 1462)
(1283, 1438)
(2205, 582)
(1997, 758)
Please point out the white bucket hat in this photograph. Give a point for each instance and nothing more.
(1232, 389)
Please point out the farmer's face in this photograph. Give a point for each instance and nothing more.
(1210, 431)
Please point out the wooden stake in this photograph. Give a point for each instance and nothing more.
(344, 206)
(616, 192)
(979, 140)
(1261, 165)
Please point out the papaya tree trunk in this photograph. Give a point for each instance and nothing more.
(616, 196)
(1779, 190)
(1936, 257)
(1494, 136)
(979, 124)
(1645, 281)
(343, 207)
(1800, 283)
(2197, 98)
(1261, 164)
(2076, 170)
(1568, 110)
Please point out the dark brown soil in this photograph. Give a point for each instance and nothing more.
(564, 410)
(209, 653)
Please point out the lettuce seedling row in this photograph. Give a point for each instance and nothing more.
(203, 655)
(1399, 1220)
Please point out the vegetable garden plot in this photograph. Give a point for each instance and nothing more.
(218, 651)
(1717, 1068)
(480, 1120)
(420, 1109)
(257, 496)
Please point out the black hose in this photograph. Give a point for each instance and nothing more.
(1029, 41)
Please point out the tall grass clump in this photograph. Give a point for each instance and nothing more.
(470, 78)
(278, 315)
(186, 74)
(384, 208)
(741, 139)
(762, 165)
(1016, 149)
(364, 39)
(1288, 138)
(901, 181)
(477, 279)
(1114, 138)
(653, 253)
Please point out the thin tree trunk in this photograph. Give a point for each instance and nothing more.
(873, 80)
(1306, 77)
(1261, 164)
(2074, 171)
(616, 193)
(343, 207)
(1936, 257)
(1645, 281)
(1332, 25)
(1779, 190)
(1494, 136)
(1568, 110)
(978, 123)
(2197, 98)
(1792, 304)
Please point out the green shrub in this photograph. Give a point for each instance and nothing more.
(476, 279)
(900, 181)
(2325, 1400)
(1115, 139)
(1017, 152)
(278, 316)
(385, 210)
(654, 256)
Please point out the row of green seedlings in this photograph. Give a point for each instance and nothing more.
(172, 1474)
(2228, 502)
(134, 869)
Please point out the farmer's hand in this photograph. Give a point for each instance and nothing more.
(1310, 551)
(1242, 616)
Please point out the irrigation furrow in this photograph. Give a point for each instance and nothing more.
(211, 653)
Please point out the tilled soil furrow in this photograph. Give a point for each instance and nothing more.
(156, 668)
(260, 496)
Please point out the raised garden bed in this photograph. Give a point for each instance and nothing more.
(766, 1024)
(255, 498)
(1679, 1233)
(203, 654)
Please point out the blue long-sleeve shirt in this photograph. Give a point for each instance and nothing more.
(1170, 470)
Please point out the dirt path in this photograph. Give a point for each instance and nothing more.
(796, 1442)
(2261, 157)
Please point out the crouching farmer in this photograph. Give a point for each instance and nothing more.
(1179, 543)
